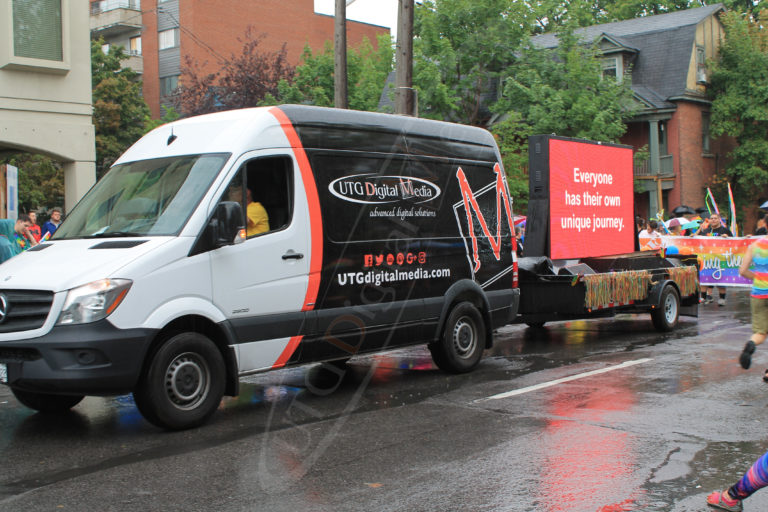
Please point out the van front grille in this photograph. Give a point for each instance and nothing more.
(24, 310)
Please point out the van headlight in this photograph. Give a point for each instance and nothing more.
(93, 301)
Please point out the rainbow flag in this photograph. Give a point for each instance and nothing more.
(734, 227)
(709, 199)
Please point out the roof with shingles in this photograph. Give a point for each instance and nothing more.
(665, 43)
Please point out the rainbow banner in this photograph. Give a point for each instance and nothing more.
(719, 258)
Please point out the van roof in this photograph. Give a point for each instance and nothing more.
(340, 129)
(319, 128)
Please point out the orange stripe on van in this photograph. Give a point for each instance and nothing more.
(288, 351)
(316, 226)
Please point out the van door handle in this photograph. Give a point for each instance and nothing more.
(290, 255)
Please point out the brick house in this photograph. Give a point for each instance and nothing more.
(666, 55)
(159, 33)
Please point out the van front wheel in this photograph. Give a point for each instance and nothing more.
(461, 346)
(183, 383)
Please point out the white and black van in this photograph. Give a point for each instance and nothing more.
(381, 231)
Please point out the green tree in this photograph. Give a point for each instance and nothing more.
(511, 135)
(460, 49)
(560, 91)
(120, 113)
(739, 92)
(563, 91)
(367, 71)
(41, 181)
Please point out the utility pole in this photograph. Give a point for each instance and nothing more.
(340, 56)
(404, 93)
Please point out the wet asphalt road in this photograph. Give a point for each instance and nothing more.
(678, 419)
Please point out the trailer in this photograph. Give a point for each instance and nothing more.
(580, 257)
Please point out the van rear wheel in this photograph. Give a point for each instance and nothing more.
(183, 382)
(461, 346)
(45, 402)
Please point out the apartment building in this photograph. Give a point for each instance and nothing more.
(160, 33)
(45, 87)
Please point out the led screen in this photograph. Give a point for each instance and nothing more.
(591, 196)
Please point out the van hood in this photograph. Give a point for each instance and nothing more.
(64, 264)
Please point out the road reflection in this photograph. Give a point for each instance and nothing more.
(583, 457)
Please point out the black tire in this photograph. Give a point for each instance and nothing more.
(461, 346)
(183, 382)
(535, 325)
(45, 402)
(667, 313)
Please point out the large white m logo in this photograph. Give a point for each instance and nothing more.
(470, 205)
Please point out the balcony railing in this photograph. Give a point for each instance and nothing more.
(667, 167)
(111, 5)
(115, 18)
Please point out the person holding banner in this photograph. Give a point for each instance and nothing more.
(649, 238)
(762, 226)
(713, 226)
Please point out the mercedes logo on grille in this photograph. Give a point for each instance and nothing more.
(3, 307)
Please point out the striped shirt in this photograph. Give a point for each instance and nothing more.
(760, 263)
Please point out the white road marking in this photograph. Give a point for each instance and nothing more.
(555, 382)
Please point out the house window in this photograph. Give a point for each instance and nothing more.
(701, 65)
(134, 46)
(105, 48)
(663, 150)
(612, 68)
(37, 29)
(168, 85)
(168, 39)
(705, 142)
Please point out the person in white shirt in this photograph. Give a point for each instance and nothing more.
(650, 239)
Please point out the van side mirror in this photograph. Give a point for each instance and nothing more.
(227, 224)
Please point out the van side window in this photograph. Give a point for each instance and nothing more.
(268, 194)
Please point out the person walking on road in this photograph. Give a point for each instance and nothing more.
(756, 257)
(757, 476)
(753, 480)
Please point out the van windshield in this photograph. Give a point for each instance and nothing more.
(147, 197)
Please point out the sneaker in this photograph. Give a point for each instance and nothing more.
(720, 502)
(745, 359)
(721, 302)
(708, 300)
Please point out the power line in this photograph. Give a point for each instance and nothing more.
(191, 34)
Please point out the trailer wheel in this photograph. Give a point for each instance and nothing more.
(183, 383)
(665, 316)
(45, 402)
(461, 346)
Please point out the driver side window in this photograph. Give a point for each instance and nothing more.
(264, 189)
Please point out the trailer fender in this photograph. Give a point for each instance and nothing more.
(466, 290)
(654, 296)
